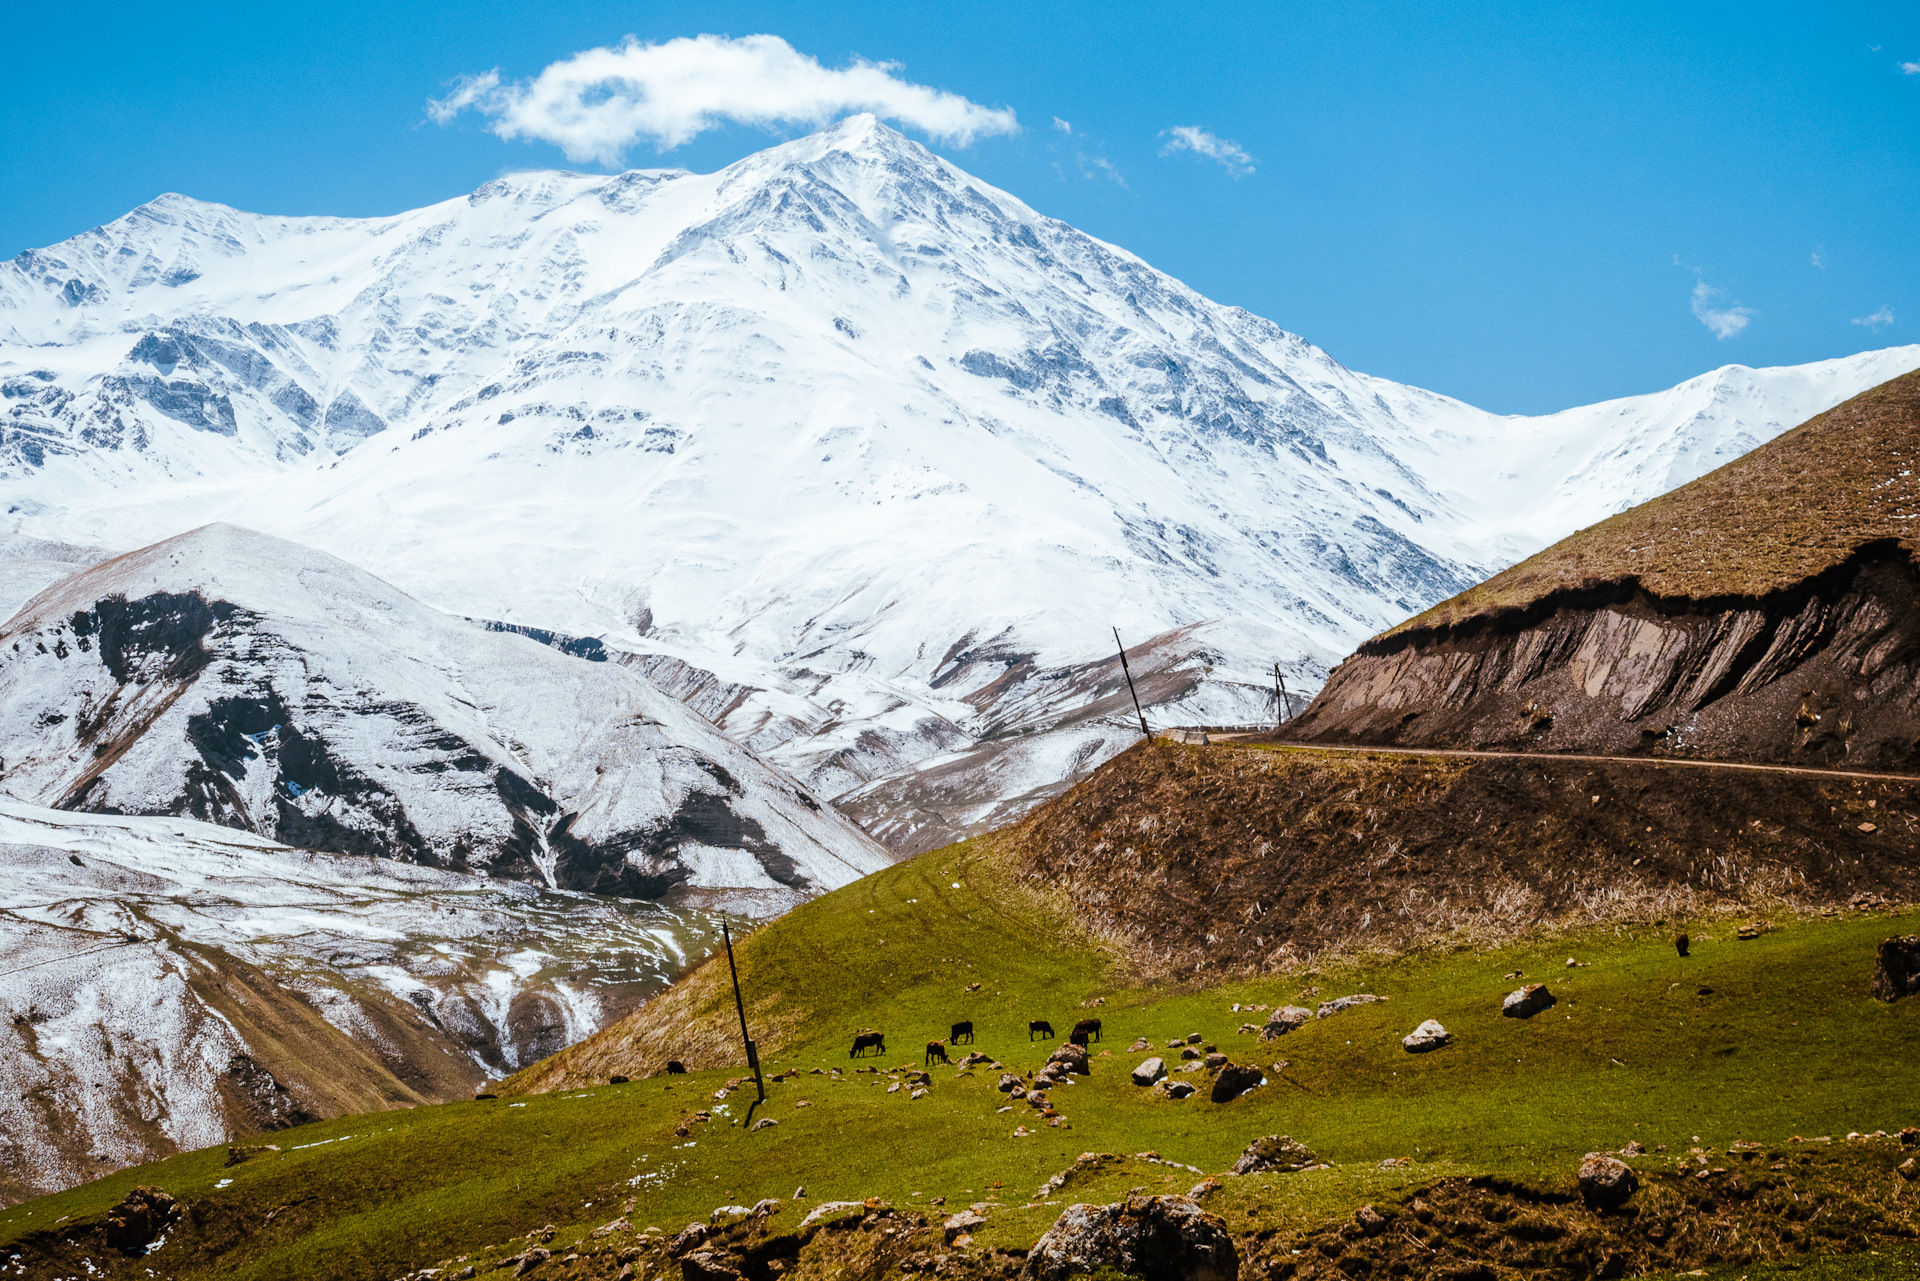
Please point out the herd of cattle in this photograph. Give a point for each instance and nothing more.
(962, 1033)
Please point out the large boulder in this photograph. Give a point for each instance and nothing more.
(1285, 1020)
(1150, 1071)
(1158, 1238)
(1897, 971)
(1606, 1181)
(1236, 1079)
(1277, 1154)
(139, 1220)
(1428, 1036)
(1073, 1058)
(1527, 1002)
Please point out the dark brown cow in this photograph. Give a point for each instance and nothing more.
(1040, 1027)
(961, 1032)
(864, 1041)
(1078, 1037)
(1087, 1027)
(935, 1051)
(676, 1068)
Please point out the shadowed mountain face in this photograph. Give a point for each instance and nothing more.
(860, 454)
(241, 680)
(1769, 611)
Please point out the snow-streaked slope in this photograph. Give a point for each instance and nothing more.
(169, 984)
(250, 681)
(867, 446)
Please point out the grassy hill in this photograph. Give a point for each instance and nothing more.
(1757, 1039)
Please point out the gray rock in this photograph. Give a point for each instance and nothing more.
(1276, 1153)
(1896, 971)
(1150, 1071)
(1177, 1089)
(1606, 1181)
(1285, 1020)
(1189, 1053)
(962, 1224)
(1339, 1003)
(1215, 1061)
(1527, 1002)
(1234, 1080)
(1161, 1238)
(1428, 1036)
(1072, 1058)
(1008, 1081)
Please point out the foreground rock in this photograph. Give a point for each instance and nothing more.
(1071, 1058)
(1606, 1181)
(1150, 1071)
(1896, 972)
(1528, 1001)
(1428, 1036)
(1161, 1238)
(1275, 1154)
(1285, 1020)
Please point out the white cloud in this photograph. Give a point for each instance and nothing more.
(1877, 320)
(1063, 126)
(1725, 321)
(597, 104)
(1819, 257)
(1910, 68)
(1197, 140)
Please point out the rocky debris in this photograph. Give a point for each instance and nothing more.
(974, 1059)
(1339, 1003)
(1606, 1181)
(1275, 1154)
(1428, 1036)
(825, 1214)
(1215, 1061)
(1175, 1089)
(237, 1153)
(140, 1219)
(1161, 1238)
(1753, 930)
(707, 1267)
(1150, 1071)
(727, 1213)
(767, 1122)
(1527, 1002)
(920, 1093)
(1896, 971)
(1194, 1038)
(1073, 1058)
(1140, 1045)
(621, 1224)
(1235, 1080)
(1634, 1148)
(1370, 1221)
(1009, 1083)
(1085, 1163)
(1189, 1053)
(1205, 1188)
(962, 1224)
(1285, 1020)
(692, 1235)
(534, 1258)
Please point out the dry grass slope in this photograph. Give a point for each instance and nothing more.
(1766, 522)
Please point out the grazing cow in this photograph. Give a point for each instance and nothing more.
(676, 1068)
(1087, 1027)
(1078, 1037)
(1039, 1027)
(961, 1032)
(935, 1050)
(864, 1041)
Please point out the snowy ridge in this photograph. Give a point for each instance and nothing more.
(121, 939)
(860, 451)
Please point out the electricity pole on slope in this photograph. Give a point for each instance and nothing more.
(753, 1056)
(1280, 698)
(1128, 673)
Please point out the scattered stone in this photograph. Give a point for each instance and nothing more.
(1194, 1038)
(690, 1236)
(1150, 1071)
(1372, 1222)
(1189, 1053)
(764, 1123)
(1606, 1181)
(1021, 1132)
(803, 1103)
(1176, 1089)
(1215, 1062)
(609, 1229)
(1235, 1080)
(533, 1259)
(1428, 1036)
(237, 1153)
(920, 1093)
(1275, 1154)
(1285, 1020)
(1527, 1002)
(1577, 965)
(1753, 930)
(706, 1267)
(973, 987)
(1163, 1238)
(724, 1212)
(1073, 1058)
(140, 1219)
(1909, 1168)
(1633, 1148)
(1896, 971)
(1868, 828)
(1140, 1045)
(962, 1224)
(1396, 1163)
(826, 1214)
(1339, 1003)
(1009, 1082)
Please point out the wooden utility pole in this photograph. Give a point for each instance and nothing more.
(1279, 697)
(753, 1056)
(1128, 673)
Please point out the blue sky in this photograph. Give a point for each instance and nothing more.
(1528, 206)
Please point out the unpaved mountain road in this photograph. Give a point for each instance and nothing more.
(1685, 762)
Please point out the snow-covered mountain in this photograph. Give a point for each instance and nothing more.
(859, 455)
(168, 984)
(244, 680)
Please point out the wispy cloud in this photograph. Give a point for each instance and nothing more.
(1877, 321)
(1711, 310)
(1910, 68)
(1192, 138)
(599, 103)
(1819, 257)
(1063, 126)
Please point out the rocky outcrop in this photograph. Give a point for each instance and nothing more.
(1277, 1154)
(1161, 1238)
(1606, 1181)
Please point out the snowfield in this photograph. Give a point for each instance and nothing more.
(855, 451)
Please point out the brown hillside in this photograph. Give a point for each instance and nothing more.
(1790, 510)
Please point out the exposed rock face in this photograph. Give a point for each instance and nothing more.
(138, 1221)
(1527, 1002)
(1896, 971)
(1769, 611)
(1606, 1181)
(1153, 1238)
(1277, 1153)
